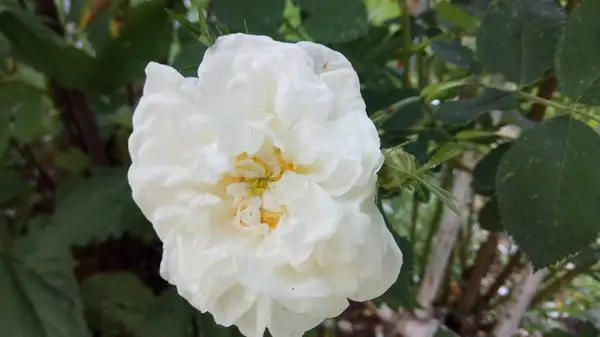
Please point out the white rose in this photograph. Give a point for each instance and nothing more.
(259, 177)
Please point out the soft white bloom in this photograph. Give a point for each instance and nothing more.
(259, 177)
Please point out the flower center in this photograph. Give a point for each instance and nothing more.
(247, 183)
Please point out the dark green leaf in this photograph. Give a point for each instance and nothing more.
(588, 330)
(402, 292)
(446, 152)
(256, 17)
(211, 329)
(189, 58)
(489, 217)
(38, 292)
(146, 37)
(455, 15)
(335, 21)
(461, 112)
(378, 99)
(94, 209)
(558, 333)
(548, 187)
(115, 303)
(578, 65)
(518, 38)
(170, 315)
(37, 45)
(26, 105)
(588, 255)
(484, 173)
(11, 185)
(452, 51)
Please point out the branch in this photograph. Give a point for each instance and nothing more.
(484, 259)
(434, 223)
(513, 264)
(560, 283)
(77, 116)
(519, 302)
(445, 238)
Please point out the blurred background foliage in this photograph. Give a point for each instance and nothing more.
(455, 83)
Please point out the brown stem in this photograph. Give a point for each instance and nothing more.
(513, 264)
(75, 110)
(484, 259)
(545, 91)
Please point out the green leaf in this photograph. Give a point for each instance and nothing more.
(115, 303)
(402, 292)
(578, 66)
(452, 51)
(73, 160)
(189, 58)
(587, 255)
(26, 105)
(518, 38)
(443, 154)
(484, 173)
(464, 111)
(146, 37)
(94, 209)
(335, 21)
(455, 15)
(35, 44)
(257, 16)
(489, 217)
(211, 329)
(588, 330)
(548, 187)
(38, 292)
(11, 185)
(170, 315)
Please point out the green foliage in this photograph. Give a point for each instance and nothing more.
(548, 181)
(124, 58)
(115, 302)
(455, 15)
(518, 38)
(463, 111)
(489, 217)
(94, 209)
(38, 46)
(38, 292)
(336, 20)
(578, 65)
(484, 173)
(255, 17)
(169, 315)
